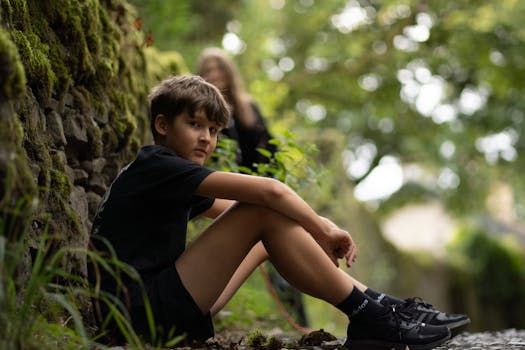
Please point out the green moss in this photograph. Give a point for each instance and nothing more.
(16, 179)
(34, 55)
(12, 77)
(15, 13)
(162, 64)
(60, 183)
(64, 19)
(255, 338)
(124, 126)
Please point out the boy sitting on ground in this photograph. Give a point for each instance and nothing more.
(145, 212)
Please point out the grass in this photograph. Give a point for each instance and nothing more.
(44, 311)
(28, 306)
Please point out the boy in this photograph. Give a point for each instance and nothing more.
(145, 213)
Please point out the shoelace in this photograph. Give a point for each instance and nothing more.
(417, 301)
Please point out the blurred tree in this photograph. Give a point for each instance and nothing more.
(435, 85)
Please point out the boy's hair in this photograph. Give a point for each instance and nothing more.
(186, 94)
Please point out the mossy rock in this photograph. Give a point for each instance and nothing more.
(12, 76)
(76, 59)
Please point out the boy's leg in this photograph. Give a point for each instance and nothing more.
(255, 257)
(209, 263)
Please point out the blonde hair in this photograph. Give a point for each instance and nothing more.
(235, 92)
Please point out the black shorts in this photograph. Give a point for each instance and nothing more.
(174, 311)
(173, 308)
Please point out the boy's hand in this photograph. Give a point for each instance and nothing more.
(339, 244)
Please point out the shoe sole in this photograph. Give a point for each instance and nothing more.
(382, 345)
(458, 327)
(374, 347)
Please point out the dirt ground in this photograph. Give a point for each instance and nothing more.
(510, 339)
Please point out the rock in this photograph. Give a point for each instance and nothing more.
(316, 338)
(35, 119)
(79, 203)
(80, 177)
(87, 165)
(98, 165)
(56, 128)
(74, 129)
(69, 100)
(113, 166)
(93, 203)
(97, 184)
(94, 166)
(70, 173)
(59, 159)
(35, 170)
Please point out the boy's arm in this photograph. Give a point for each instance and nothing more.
(275, 195)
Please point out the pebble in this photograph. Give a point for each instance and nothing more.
(509, 339)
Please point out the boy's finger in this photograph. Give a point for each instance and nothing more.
(335, 260)
(351, 256)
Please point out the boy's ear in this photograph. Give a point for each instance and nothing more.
(161, 124)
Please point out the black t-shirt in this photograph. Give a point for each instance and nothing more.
(145, 212)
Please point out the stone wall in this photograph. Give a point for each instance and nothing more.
(73, 86)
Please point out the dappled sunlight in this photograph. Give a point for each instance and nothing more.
(383, 180)
(233, 43)
(424, 227)
(499, 145)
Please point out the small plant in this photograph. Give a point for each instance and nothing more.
(274, 343)
(256, 339)
(292, 163)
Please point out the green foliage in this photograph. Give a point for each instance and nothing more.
(497, 266)
(369, 69)
(496, 269)
(293, 163)
(175, 24)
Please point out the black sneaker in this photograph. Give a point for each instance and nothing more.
(394, 330)
(423, 312)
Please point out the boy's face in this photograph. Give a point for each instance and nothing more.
(192, 138)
